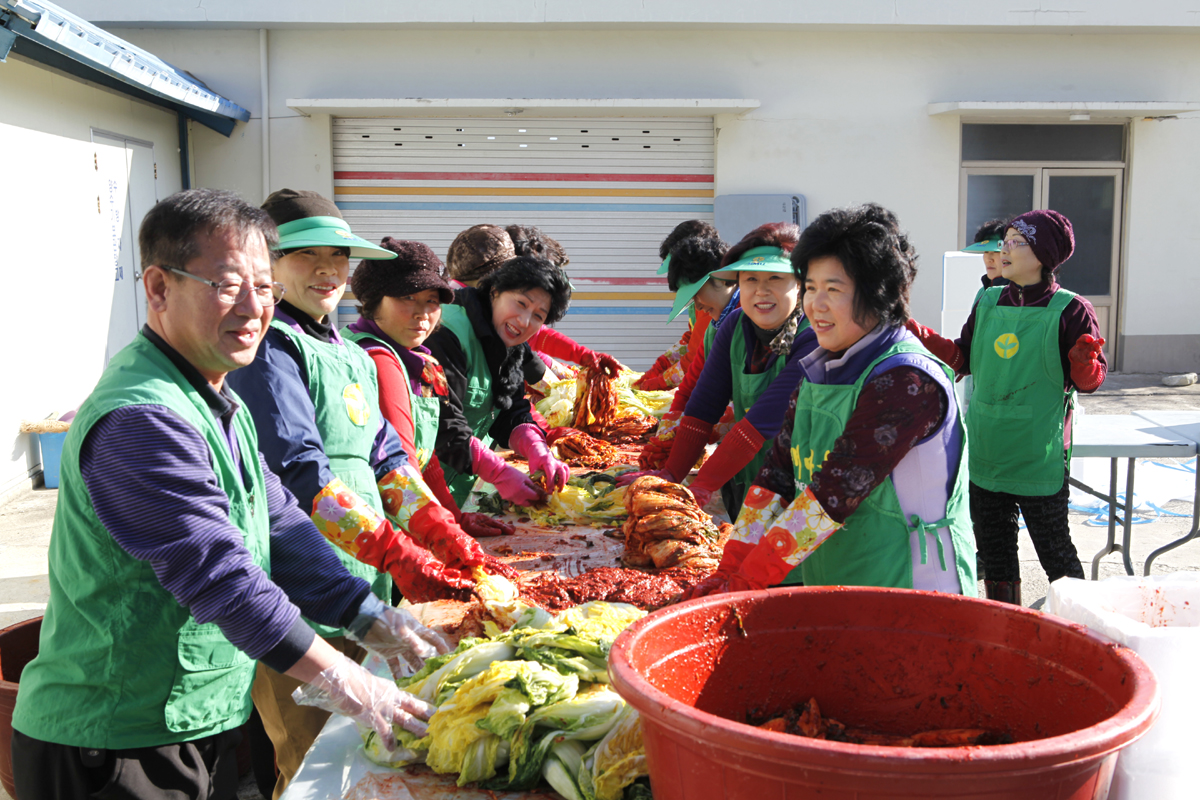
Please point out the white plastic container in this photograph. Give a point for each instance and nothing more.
(1158, 617)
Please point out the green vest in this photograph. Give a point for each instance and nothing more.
(1016, 416)
(477, 405)
(425, 410)
(747, 389)
(344, 392)
(873, 547)
(120, 663)
(710, 336)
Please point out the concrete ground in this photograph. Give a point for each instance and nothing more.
(26, 518)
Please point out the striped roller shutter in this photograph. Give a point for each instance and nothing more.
(609, 190)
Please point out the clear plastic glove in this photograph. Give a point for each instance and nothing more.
(530, 442)
(377, 703)
(395, 635)
(482, 526)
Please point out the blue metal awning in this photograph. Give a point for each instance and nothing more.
(57, 38)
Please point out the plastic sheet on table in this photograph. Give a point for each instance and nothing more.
(421, 784)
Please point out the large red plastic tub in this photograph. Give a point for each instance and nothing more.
(887, 660)
(18, 646)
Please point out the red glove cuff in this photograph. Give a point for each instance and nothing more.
(374, 548)
(435, 478)
(1088, 376)
(737, 449)
(762, 568)
(691, 435)
(940, 346)
(735, 553)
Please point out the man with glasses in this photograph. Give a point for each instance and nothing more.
(177, 559)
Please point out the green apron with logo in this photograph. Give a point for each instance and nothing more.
(747, 389)
(478, 406)
(425, 410)
(1016, 416)
(873, 548)
(121, 664)
(345, 395)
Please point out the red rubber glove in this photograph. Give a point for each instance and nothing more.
(719, 582)
(939, 345)
(419, 576)
(601, 362)
(691, 436)
(654, 453)
(1087, 370)
(434, 528)
(738, 449)
(435, 478)
(482, 526)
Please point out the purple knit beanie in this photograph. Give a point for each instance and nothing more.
(1050, 236)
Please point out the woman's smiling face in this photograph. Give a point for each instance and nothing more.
(518, 315)
(314, 277)
(768, 298)
(829, 305)
(714, 295)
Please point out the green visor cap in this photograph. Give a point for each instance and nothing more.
(986, 246)
(666, 265)
(761, 259)
(327, 232)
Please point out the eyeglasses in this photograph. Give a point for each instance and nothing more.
(1009, 244)
(233, 292)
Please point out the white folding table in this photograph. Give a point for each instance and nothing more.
(1185, 423)
(1130, 437)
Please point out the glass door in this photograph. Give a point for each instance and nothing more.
(995, 193)
(1091, 199)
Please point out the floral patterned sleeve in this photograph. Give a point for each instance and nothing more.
(777, 473)
(896, 410)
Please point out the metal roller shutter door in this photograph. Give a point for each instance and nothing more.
(609, 190)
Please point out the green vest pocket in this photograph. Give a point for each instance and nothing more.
(212, 681)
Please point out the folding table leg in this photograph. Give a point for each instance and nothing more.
(1190, 534)
(1112, 545)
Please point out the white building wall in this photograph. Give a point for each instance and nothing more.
(843, 115)
(58, 254)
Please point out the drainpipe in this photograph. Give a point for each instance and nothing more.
(185, 166)
(266, 112)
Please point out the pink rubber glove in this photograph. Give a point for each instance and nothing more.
(530, 442)
(513, 485)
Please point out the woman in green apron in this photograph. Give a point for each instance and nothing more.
(1029, 345)
(314, 400)
(481, 347)
(870, 464)
(400, 305)
(754, 363)
(691, 254)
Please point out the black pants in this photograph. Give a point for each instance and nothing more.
(994, 517)
(203, 769)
